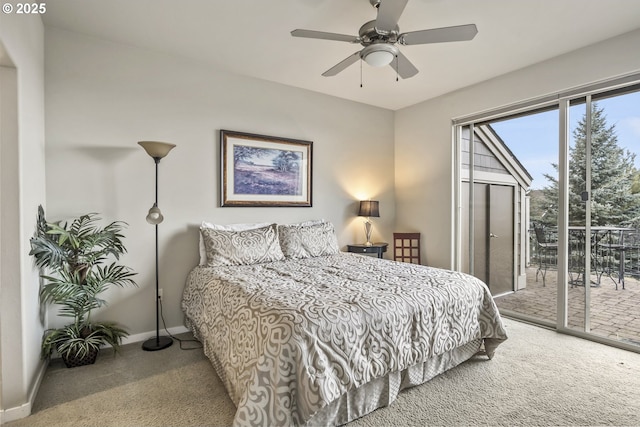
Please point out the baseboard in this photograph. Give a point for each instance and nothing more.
(24, 410)
(12, 414)
(146, 335)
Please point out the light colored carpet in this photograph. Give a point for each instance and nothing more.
(538, 377)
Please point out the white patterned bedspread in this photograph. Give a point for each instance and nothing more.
(289, 337)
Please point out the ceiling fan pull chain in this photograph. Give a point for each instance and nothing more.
(360, 72)
(397, 68)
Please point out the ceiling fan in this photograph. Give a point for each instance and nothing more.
(382, 36)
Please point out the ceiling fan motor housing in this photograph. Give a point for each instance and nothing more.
(369, 33)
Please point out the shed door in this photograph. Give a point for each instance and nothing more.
(500, 239)
(493, 249)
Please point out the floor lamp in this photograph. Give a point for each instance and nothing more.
(157, 150)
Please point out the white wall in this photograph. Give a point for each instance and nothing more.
(23, 188)
(423, 134)
(101, 98)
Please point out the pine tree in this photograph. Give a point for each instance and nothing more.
(614, 197)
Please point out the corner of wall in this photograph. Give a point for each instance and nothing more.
(23, 186)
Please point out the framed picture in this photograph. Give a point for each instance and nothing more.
(259, 170)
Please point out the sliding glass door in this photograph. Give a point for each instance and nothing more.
(565, 180)
(603, 297)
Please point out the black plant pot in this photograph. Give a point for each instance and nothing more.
(73, 361)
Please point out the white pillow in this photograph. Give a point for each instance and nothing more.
(228, 227)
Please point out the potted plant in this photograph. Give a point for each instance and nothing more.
(81, 257)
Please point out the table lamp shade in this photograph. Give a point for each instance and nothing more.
(369, 208)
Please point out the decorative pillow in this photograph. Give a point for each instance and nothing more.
(241, 247)
(229, 227)
(299, 241)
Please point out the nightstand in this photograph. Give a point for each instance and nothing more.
(376, 250)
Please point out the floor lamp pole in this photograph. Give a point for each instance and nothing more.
(157, 343)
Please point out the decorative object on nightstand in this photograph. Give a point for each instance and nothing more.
(406, 247)
(369, 208)
(157, 150)
(374, 249)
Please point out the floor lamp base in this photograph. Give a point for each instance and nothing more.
(158, 343)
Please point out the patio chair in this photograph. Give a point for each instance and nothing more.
(611, 252)
(547, 253)
(630, 256)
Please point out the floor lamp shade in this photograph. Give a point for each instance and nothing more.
(155, 215)
(157, 150)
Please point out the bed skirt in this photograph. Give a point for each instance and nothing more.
(383, 391)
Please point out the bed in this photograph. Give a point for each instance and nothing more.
(301, 333)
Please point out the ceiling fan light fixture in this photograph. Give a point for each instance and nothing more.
(379, 58)
(379, 54)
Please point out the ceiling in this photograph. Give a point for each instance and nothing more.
(252, 38)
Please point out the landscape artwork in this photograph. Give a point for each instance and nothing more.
(266, 171)
(260, 170)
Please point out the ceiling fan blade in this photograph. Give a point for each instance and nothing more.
(439, 35)
(389, 12)
(403, 66)
(342, 65)
(324, 36)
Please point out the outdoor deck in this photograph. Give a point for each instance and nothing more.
(614, 313)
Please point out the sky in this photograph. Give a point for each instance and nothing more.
(533, 139)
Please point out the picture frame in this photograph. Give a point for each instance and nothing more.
(260, 170)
